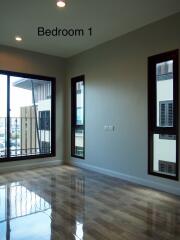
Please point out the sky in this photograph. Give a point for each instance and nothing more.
(18, 97)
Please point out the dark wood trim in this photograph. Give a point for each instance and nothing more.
(74, 126)
(19, 158)
(53, 115)
(8, 118)
(176, 106)
(27, 75)
(152, 128)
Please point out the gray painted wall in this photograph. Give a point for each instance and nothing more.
(17, 60)
(116, 94)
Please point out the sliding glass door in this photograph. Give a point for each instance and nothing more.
(27, 121)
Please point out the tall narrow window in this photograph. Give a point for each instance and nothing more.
(27, 116)
(163, 114)
(77, 118)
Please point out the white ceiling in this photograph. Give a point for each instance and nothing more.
(108, 19)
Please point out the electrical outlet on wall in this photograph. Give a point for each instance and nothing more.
(109, 128)
(106, 128)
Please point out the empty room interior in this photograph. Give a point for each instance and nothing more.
(89, 120)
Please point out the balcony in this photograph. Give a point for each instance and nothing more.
(27, 136)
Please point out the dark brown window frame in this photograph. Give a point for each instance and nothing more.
(152, 128)
(53, 114)
(74, 126)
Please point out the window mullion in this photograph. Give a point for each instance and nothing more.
(8, 117)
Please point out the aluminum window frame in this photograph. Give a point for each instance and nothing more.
(152, 109)
(74, 125)
(53, 115)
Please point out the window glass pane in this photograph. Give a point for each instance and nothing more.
(80, 103)
(3, 115)
(164, 160)
(164, 91)
(79, 142)
(77, 120)
(30, 116)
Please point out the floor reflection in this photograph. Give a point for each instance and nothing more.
(168, 219)
(66, 203)
(31, 210)
(78, 187)
(22, 212)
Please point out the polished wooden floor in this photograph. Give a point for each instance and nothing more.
(68, 203)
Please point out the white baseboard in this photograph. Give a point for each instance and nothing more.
(133, 179)
(27, 165)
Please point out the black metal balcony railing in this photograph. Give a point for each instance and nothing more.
(25, 136)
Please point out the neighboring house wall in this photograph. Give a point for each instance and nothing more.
(45, 105)
(28, 132)
(164, 149)
(116, 94)
(42, 92)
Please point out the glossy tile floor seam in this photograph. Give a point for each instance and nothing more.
(64, 203)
